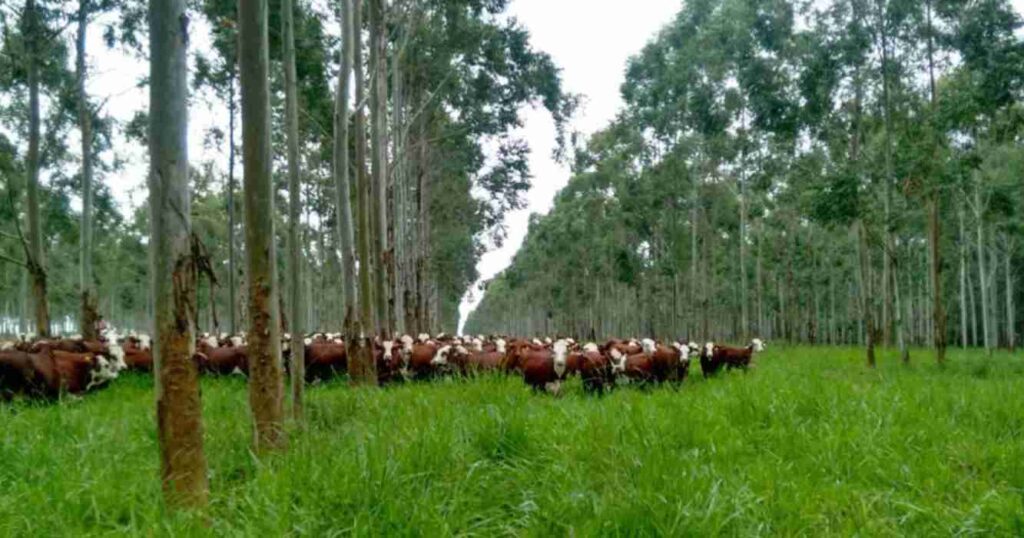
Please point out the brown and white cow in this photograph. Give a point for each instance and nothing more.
(545, 369)
(50, 372)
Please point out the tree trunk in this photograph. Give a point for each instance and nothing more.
(89, 315)
(173, 268)
(867, 306)
(1011, 325)
(36, 262)
(346, 237)
(266, 387)
(298, 326)
(232, 271)
(362, 369)
(378, 162)
(982, 276)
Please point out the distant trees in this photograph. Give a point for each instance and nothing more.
(796, 165)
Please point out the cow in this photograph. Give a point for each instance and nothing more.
(543, 368)
(421, 362)
(594, 369)
(50, 372)
(732, 357)
(325, 359)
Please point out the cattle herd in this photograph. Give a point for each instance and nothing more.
(47, 368)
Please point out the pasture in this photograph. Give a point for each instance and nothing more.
(808, 443)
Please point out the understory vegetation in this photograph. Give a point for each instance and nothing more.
(809, 442)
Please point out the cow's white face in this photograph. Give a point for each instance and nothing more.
(618, 361)
(684, 352)
(758, 345)
(103, 372)
(547, 341)
(144, 341)
(694, 348)
(478, 344)
(211, 341)
(307, 341)
(441, 357)
(500, 344)
(423, 338)
(590, 347)
(224, 336)
(560, 348)
(537, 342)
(388, 346)
(117, 354)
(648, 345)
(236, 341)
(709, 349)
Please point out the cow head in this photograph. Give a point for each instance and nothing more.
(441, 357)
(684, 352)
(144, 341)
(101, 373)
(709, 350)
(590, 347)
(694, 348)
(618, 361)
(236, 341)
(757, 345)
(478, 344)
(211, 341)
(648, 345)
(423, 338)
(388, 346)
(500, 345)
(561, 349)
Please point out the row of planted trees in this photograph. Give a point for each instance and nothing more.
(390, 195)
(845, 173)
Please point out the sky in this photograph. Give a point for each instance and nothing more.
(591, 41)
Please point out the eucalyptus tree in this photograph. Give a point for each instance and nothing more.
(296, 309)
(172, 262)
(266, 388)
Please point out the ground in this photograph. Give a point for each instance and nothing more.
(809, 443)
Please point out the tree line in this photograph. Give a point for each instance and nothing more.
(373, 141)
(842, 172)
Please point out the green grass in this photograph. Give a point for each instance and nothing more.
(810, 443)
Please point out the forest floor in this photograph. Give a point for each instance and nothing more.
(809, 443)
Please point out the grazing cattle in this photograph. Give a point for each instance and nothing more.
(634, 368)
(224, 361)
(594, 369)
(389, 361)
(709, 364)
(50, 372)
(732, 357)
(421, 359)
(544, 369)
(324, 360)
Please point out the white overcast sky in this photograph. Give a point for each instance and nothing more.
(590, 40)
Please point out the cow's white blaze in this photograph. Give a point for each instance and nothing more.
(211, 341)
(117, 353)
(423, 337)
(560, 348)
(590, 347)
(500, 345)
(648, 345)
(236, 341)
(538, 342)
(441, 357)
(618, 361)
(709, 349)
(307, 341)
(388, 346)
(684, 352)
(144, 341)
(758, 345)
(102, 373)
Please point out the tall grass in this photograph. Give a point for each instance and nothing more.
(809, 443)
